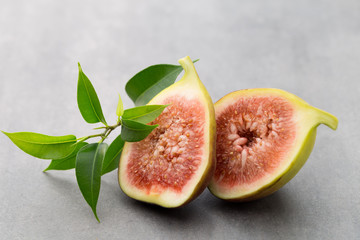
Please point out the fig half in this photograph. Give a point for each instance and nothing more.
(175, 162)
(264, 137)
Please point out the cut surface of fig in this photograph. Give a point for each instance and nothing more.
(175, 162)
(170, 156)
(254, 136)
(264, 136)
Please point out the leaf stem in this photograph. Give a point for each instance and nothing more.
(104, 135)
(90, 136)
(99, 128)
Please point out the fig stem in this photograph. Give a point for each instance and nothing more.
(325, 118)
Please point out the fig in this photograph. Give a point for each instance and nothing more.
(176, 161)
(264, 136)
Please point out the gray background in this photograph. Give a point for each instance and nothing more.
(310, 48)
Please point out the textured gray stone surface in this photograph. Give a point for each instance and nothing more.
(310, 48)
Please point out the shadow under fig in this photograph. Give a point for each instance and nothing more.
(177, 220)
(184, 213)
(279, 208)
(278, 202)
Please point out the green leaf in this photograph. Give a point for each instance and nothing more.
(144, 114)
(132, 131)
(142, 87)
(88, 172)
(112, 156)
(120, 108)
(67, 162)
(43, 146)
(147, 83)
(88, 101)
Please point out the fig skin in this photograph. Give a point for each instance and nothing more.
(308, 118)
(189, 85)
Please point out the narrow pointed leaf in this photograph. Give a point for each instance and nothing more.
(120, 108)
(43, 146)
(88, 172)
(132, 131)
(144, 114)
(112, 156)
(67, 162)
(88, 101)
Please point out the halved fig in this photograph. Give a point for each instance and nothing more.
(264, 137)
(175, 162)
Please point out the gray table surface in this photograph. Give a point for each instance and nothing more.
(310, 48)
